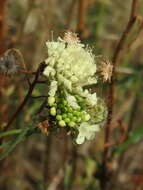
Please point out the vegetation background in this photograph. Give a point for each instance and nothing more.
(113, 160)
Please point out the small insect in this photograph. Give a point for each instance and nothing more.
(44, 126)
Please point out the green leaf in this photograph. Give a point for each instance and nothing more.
(11, 132)
(40, 186)
(134, 137)
(5, 145)
(12, 144)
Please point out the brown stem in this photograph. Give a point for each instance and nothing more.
(20, 108)
(71, 14)
(116, 58)
(27, 72)
(138, 35)
(2, 26)
(81, 17)
(39, 97)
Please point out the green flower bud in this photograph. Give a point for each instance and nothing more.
(64, 102)
(53, 111)
(71, 124)
(86, 117)
(70, 115)
(70, 109)
(51, 100)
(78, 109)
(59, 117)
(55, 105)
(65, 109)
(60, 105)
(67, 120)
(64, 116)
(62, 123)
(79, 119)
(59, 111)
(76, 113)
(74, 119)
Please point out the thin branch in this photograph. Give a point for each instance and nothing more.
(138, 35)
(116, 58)
(36, 97)
(134, 9)
(42, 81)
(70, 14)
(31, 88)
(27, 72)
(81, 17)
(18, 55)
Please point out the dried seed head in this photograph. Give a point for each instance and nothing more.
(71, 38)
(105, 70)
(44, 127)
(9, 63)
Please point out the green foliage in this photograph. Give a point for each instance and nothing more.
(133, 138)
(20, 135)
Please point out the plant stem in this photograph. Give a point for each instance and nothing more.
(116, 58)
(31, 88)
(11, 132)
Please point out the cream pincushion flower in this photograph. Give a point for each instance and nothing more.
(86, 131)
(70, 67)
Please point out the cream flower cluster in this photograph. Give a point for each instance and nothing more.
(70, 67)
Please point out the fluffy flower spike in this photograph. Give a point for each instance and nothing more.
(70, 67)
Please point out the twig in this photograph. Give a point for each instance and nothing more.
(42, 81)
(27, 72)
(81, 18)
(138, 35)
(124, 70)
(18, 55)
(116, 58)
(2, 26)
(31, 88)
(35, 97)
(71, 13)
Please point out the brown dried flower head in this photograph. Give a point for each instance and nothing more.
(11, 61)
(44, 126)
(71, 38)
(105, 70)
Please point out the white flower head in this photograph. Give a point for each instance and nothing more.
(49, 70)
(72, 101)
(53, 88)
(86, 131)
(71, 66)
(55, 48)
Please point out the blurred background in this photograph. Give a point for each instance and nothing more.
(53, 162)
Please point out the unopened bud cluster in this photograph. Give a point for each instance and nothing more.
(64, 114)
